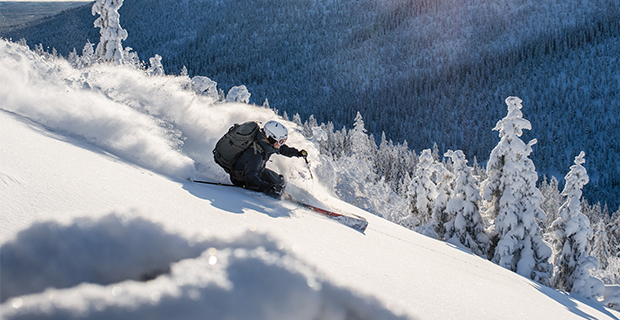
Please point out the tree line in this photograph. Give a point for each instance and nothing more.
(501, 212)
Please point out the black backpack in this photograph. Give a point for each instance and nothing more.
(238, 138)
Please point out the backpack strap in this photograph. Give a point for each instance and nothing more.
(257, 147)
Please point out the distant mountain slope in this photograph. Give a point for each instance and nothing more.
(64, 31)
(17, 13)
(431, 71)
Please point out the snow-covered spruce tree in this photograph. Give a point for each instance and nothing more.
(601, 248)
(86, 59)
(333, 145)
(359, 145)
(465, 227)
(386, 159)
(513, 201)
(396, 163)
(439, 216)
(552, 199)
(572, 235)
(109, 48)
(614, 233)
(479, 172)
(551, 205)
(309, 127)
(421, 193)
(156, 68)
(357, 182)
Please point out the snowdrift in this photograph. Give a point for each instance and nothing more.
(123, 267)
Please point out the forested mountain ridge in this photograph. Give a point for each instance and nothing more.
(14, 14)
(422, 71)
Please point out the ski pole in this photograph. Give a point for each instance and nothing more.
(214, 183)
(309, 170)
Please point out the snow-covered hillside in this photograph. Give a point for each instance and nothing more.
(424, 71)
(99, 221)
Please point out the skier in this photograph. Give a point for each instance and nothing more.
(249, 170)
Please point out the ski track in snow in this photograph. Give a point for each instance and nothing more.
(9, 181)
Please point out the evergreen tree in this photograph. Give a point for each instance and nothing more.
(439, 216)
(552, 200)
(514, 201)
(421, 193)
(156, 68)
(601, 248)
(357, 181)
(614, 234)
(550, 205)
(338, 141)
(571, 242)
(594, 213)
(358, 143)
(386, 159)
(109, 48)
(478, 171)
(85, 60)
(465, 227)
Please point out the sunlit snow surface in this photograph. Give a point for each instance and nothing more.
(126, 267)
(98, 219)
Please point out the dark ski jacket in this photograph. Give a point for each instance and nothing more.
(250, 164)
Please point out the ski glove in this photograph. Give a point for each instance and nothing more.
(302, 154)
(275, 191)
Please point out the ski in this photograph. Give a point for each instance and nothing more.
(351, 220)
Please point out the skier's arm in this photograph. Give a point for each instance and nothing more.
(289, 151)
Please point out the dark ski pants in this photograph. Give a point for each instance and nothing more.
(266, 175)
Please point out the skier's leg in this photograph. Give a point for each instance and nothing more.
(272, 177)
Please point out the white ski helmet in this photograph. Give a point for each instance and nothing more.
(275, 132)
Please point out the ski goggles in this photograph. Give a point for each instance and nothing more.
(273, 141)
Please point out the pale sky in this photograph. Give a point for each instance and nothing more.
(47, 0)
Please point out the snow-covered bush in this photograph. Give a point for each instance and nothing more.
(238, 94)
(205, 86)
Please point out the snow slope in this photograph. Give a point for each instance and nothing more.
(98, 221)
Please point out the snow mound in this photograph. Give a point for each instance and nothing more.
(124, 266)
(110, 249)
